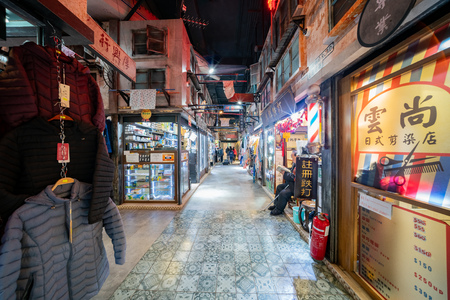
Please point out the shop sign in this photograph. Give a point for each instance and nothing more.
(306, 177)
(105, 47)
(404, 257)
(168, 157)
(282, 106)
(380, 18)
(232, 108)
(402, 140)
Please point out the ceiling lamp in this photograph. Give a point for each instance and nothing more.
(211, 71)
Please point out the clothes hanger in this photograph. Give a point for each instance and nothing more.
(59, 116)
(62, 181)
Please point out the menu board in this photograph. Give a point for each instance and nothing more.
(404, 257)
(278, 161)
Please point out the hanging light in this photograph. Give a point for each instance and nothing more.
(211, 70)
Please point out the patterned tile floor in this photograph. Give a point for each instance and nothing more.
(229, 255)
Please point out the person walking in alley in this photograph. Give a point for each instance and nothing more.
(220, 151)
(234, 153)
(231, 155)
(283, 193)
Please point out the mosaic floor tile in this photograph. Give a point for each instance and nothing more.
(227, 247)
(196, 256)
(290, 258)
(284, 285)
(209, 268)
(244, 255)
(142, 267)
(252, 238)
(255, 248)
(226, 256)
(278, 270)
(150, 282)
(184, 296)
(159, 267)
(225, 269)
(166, 256)
(122, 294)
(163, 295)
(181, 256)
(207, 283)
(239, 239)
(260, 270)
(257, 257)
(151, 255)
(226, 284)
(296, 270)
(265, 285)
(239, 247)
(188, 283)
(132, 281)
(226, 296)
(185, 246)
(211, 257)
(143, 295)
(246, 297)
(175, 268)
(245, 284)
(243, 269)
(204, 296)
(267, 297)
(169, 283)
(288, 297)
(193, 268)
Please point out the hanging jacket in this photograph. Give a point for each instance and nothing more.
(37, 259)
(29, 88)
(28, 163)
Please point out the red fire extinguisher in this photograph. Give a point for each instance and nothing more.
(319, 236)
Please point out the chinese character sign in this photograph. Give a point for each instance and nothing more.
(306, 178)
(403, 141)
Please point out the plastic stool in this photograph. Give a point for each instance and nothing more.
(308, 206)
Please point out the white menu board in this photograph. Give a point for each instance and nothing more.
(404, 257)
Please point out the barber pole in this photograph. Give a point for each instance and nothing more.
(314, 123)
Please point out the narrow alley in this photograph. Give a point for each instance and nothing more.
(220, 246)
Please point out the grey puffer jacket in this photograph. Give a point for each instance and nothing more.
(37, 260)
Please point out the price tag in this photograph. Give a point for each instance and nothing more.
(63, 154)
(64, 95)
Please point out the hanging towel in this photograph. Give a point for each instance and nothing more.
(228, 88)
(143, 99)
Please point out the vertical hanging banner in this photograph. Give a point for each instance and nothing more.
(306, 177)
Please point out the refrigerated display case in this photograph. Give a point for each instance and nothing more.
(150, 176)
(269, 159)
(150, 135)
(184, 168)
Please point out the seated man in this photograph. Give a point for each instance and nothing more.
(284, 194)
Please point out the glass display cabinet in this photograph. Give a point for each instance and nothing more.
(150, 177)
(184, 167)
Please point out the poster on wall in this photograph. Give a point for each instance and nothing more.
(404, 257)
(278, 161)
(402, 134)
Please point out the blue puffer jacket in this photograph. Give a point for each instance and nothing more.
(37, 260)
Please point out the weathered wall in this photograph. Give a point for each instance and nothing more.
(175, 62)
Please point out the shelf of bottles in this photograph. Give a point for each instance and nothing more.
(150, 135)
(149, 182)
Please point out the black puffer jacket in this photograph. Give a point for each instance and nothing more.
(29, 88)
(28, 163)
